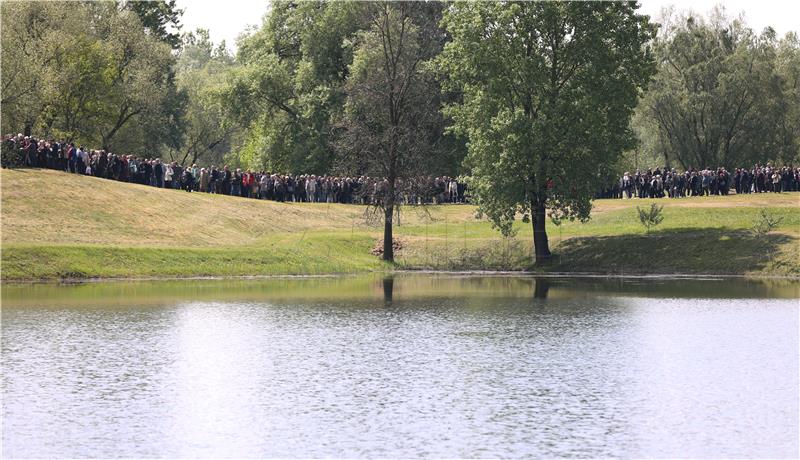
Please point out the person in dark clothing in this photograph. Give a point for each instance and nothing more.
(147, 171)
(177, 171)
(187, 180)
(213, 178)
(158, 172)
(102, 163)
(226, 180)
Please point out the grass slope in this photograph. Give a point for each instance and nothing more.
(56, 225)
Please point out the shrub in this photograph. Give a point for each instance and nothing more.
(650, 217)
(765, 223)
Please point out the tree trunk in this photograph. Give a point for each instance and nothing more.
(540, 244)
(388, 249)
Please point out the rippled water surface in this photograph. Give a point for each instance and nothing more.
(417, 366)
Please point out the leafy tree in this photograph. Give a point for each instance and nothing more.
(765, 223)
(201, 68)
(160, 18)
(719, 97)
(289, 90)
(136, 78)
(389, 105)
(548, 92)
(89, 72)
(290, 82)
(34, 36)
(785, 102)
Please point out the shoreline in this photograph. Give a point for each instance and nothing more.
(444, 273)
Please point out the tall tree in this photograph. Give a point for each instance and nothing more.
(389, 104)
(290, 82)
(719, 96)
(201, 68)
(160, 18)
(89, 72)
(548, 92)
(34, 36)
(787, 103)
(289, 89)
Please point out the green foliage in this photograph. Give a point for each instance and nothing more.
(207, 125)
(291, 90)
(389, 105)
(548, 92)
(289, 84)
(534, 87)
(649, 218)
(723, 96)
(389, 98)
(157, 16)
(765, 223)
(88, 72)
(31, 48)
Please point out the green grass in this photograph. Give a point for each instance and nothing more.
(313, 255)
(57, 226)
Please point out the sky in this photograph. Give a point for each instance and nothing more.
(226, 19)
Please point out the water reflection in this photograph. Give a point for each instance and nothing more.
(388, 289)
(403, 286)
(457, 367)
(541, 287)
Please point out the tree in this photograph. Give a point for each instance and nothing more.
(548, 92)
(133, 82)
(785, 102)
(90, 73)
(289, 90)
(388, 105)
(207, 127)
(290, 83)
(158, 17)
(651, 217)
(34, 36)
(722, 96)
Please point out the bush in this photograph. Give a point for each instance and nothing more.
(650, 217)
(765, 223)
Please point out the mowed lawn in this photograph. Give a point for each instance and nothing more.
(57, 225)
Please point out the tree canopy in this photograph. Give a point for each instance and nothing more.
(723, 95)
(87, 72)
(548, 92)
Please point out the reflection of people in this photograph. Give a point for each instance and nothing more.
(540, 288)
(388, 287)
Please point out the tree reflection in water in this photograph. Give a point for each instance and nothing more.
(388, 289)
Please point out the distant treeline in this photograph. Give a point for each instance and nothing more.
(121, 76)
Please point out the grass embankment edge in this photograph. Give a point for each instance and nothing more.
(681, 253)
(51, 230)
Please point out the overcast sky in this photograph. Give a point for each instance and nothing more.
(226, 19)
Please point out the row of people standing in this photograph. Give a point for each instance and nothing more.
(694, 182)
(27, 151)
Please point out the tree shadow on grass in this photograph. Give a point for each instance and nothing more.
(674, 251)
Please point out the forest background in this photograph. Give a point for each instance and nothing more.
(121, 76)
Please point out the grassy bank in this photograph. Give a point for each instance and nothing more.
(56, 225)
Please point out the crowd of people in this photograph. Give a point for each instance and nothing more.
(27, 151)
(696, 182)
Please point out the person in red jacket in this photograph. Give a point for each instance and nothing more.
(247, 183)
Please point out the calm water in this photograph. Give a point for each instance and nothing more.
(418, 366)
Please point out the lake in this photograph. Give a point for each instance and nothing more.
(412, 366)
